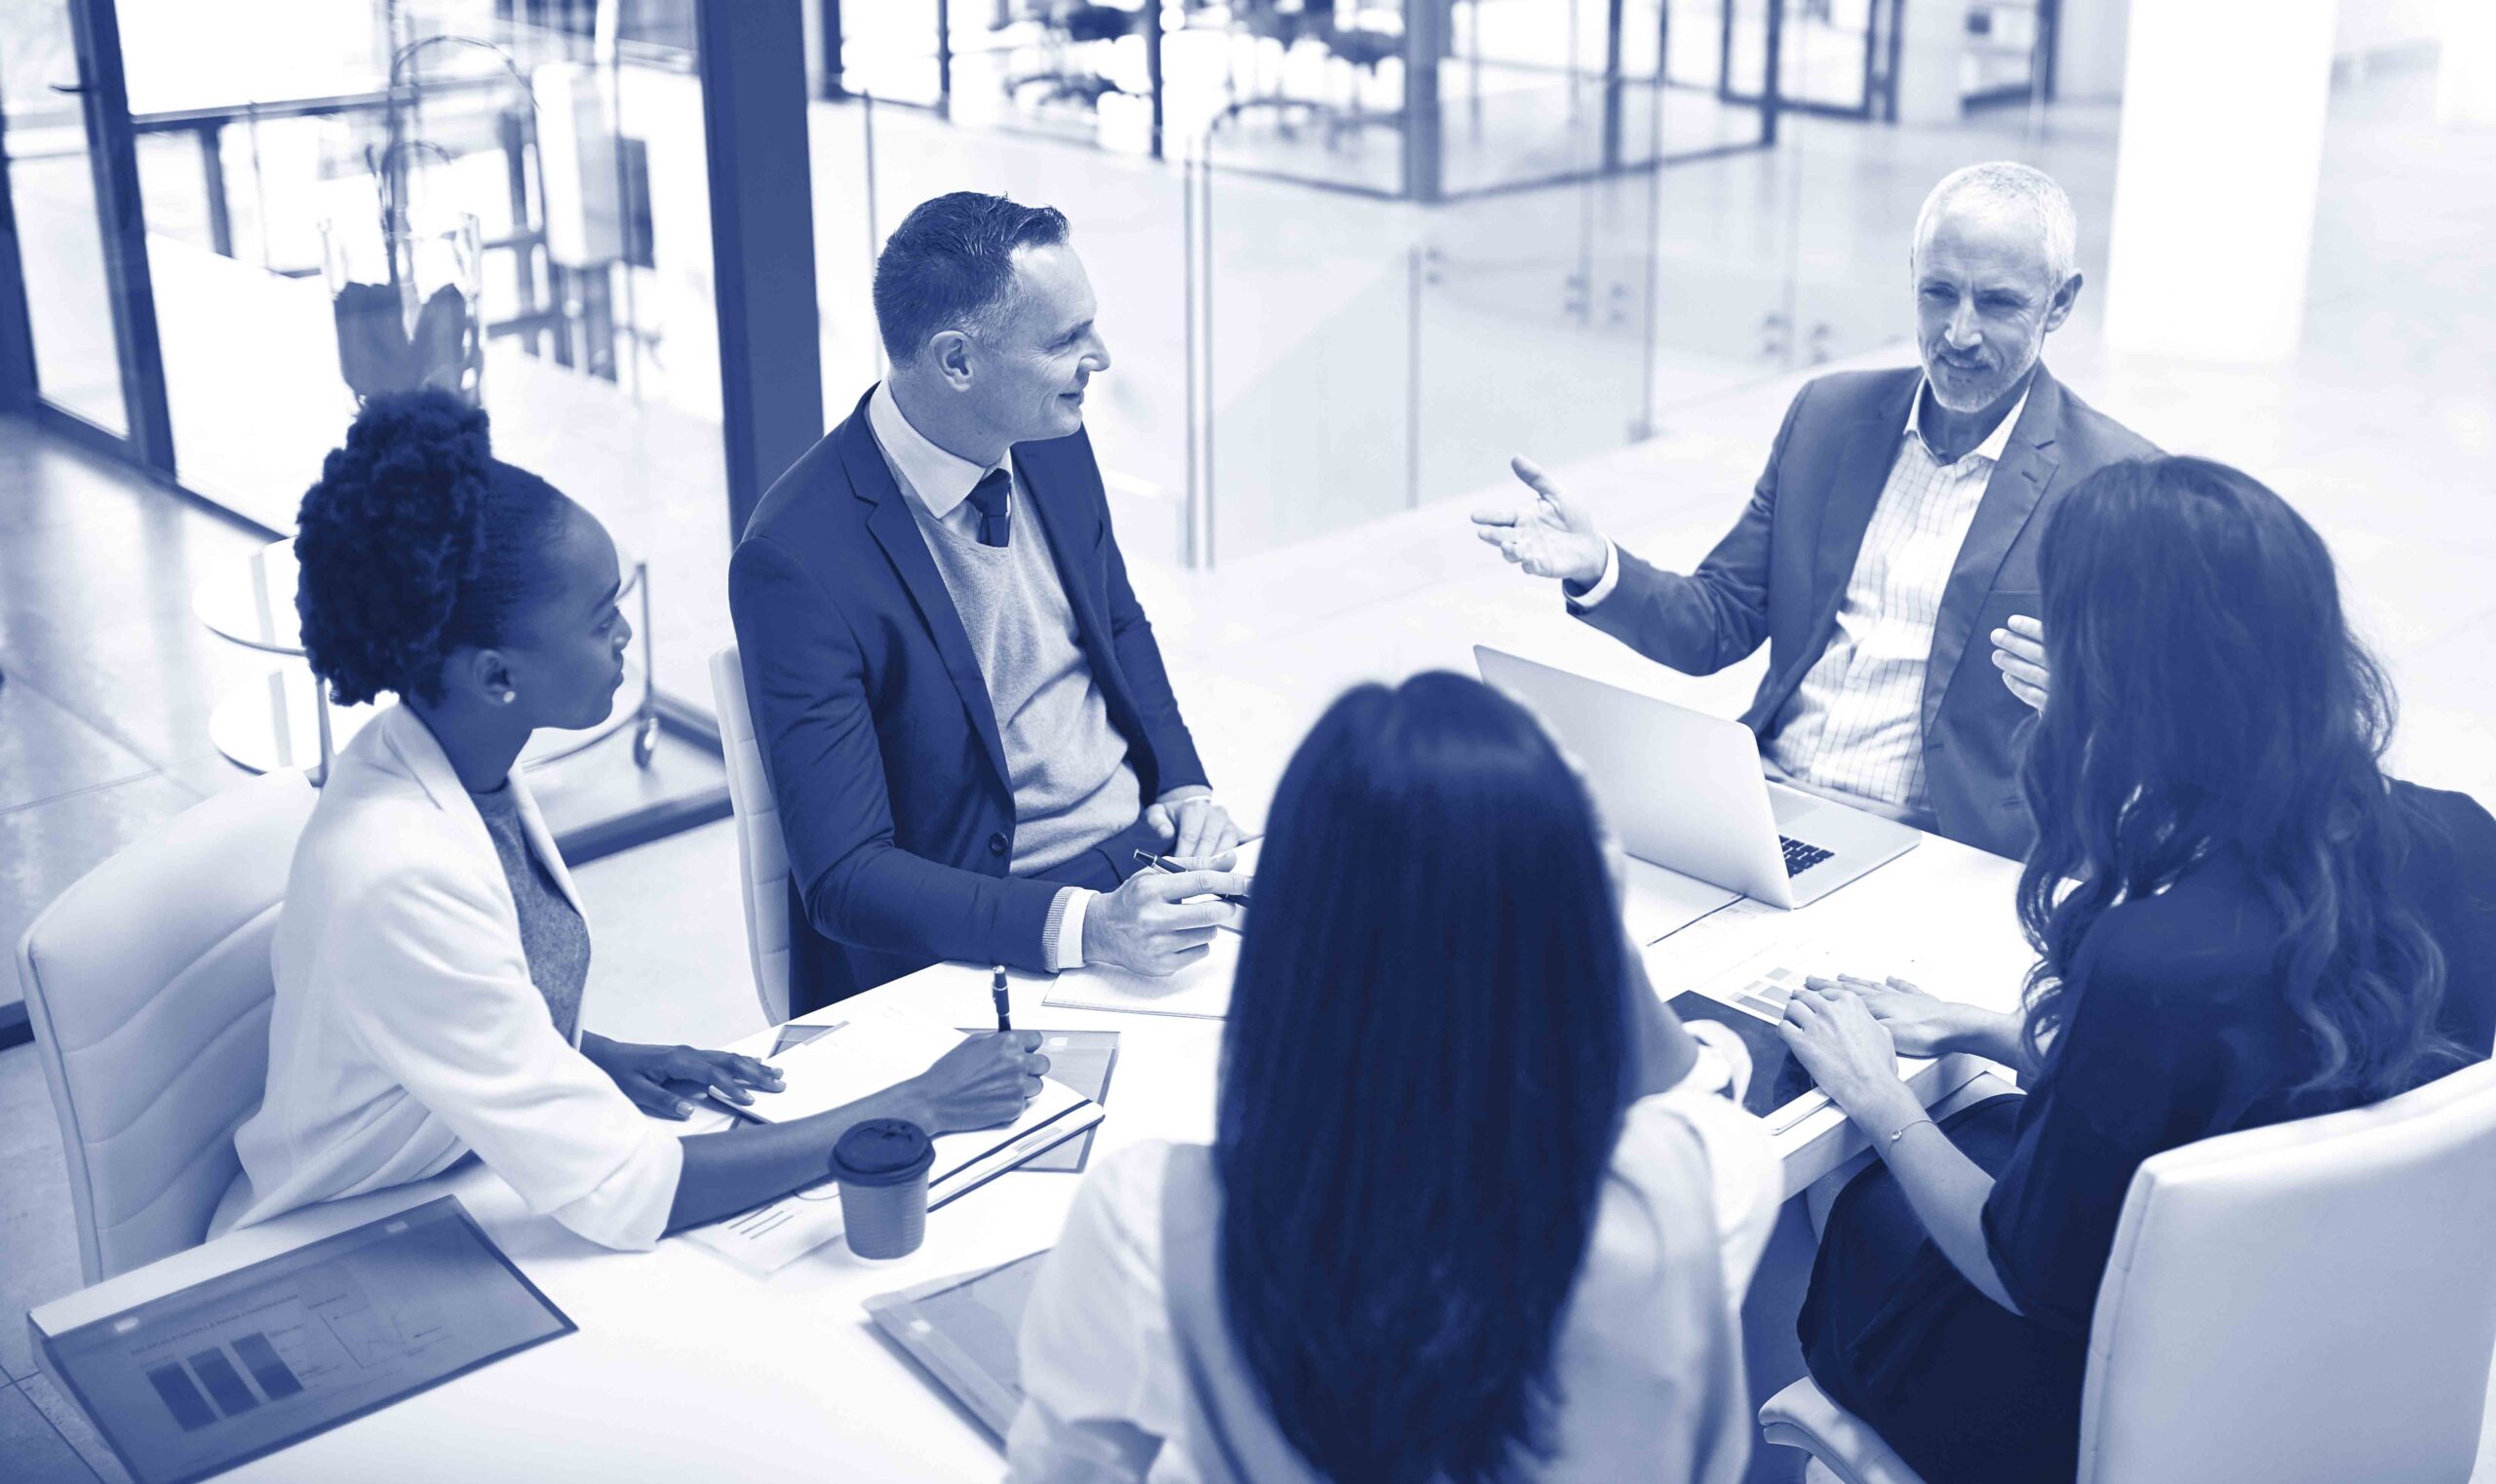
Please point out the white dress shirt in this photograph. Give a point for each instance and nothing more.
(406, 1032)
(939, 482)
(1854, 726)
(1099, 1365)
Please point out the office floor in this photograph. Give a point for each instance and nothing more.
(2382, 430)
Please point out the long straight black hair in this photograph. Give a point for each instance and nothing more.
(1423, 1074)
(2208, 700)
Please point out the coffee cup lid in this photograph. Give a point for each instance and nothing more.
(882, 1151)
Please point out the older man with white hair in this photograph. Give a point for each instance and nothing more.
(1895, 522)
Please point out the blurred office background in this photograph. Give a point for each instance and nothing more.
(1349, 257)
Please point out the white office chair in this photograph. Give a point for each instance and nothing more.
(763, 857)
(2304, 1304)
(148, 985)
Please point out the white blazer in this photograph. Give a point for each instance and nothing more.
(406, 1030)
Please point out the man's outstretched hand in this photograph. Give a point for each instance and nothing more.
(1553, 536)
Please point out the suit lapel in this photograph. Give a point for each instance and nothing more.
(1865, 455)
(2012, 494)
(1074, 535)
(1070, 539)
(896, 531)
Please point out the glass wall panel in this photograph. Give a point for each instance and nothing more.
(351, 199)
(1611, 247)
(53, 186)
(1534, 307)
(1313, 304)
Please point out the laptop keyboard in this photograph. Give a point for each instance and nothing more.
(1801, 857)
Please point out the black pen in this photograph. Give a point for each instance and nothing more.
(1165, 863)
(996, 992)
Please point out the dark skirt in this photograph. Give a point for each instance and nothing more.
(1967, 1392)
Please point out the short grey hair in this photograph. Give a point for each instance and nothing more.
(2008, 186)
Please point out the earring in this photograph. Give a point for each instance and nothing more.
(510, 696)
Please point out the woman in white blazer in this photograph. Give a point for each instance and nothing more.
(431, 953)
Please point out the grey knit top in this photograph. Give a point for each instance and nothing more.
(551, 931)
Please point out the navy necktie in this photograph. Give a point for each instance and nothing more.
(987, 497)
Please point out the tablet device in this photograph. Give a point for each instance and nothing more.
(1777, 1078)
(244, 1363)
(962, 1331)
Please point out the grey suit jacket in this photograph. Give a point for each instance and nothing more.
(1781, 573)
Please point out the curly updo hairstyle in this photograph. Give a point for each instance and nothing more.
(416, 543)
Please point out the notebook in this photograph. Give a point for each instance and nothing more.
(867, 1053)
(1199, 992)
(1083, 1061)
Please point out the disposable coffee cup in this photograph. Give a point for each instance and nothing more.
(881, 1167)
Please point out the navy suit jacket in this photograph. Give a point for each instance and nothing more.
(874, 721)
(1780, 574)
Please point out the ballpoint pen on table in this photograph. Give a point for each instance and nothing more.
(996, 992)
(1165, 863)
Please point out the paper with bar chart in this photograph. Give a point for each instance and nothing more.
(258, 1359)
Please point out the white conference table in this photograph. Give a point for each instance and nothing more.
(686, 1367)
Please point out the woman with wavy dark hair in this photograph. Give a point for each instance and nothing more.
(2240, 919)
(431, 956)
(1475, 1209)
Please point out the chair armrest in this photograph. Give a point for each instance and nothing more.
(1801, 1416)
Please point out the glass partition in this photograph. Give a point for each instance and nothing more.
(1312, 299)
(344, 200)
(1300, 347)
(60, 246)
(356, 198)
(1533, 302)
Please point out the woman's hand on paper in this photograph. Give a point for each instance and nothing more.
(645, 1071)
(988, 1079)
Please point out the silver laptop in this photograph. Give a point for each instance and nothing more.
(1685, 790)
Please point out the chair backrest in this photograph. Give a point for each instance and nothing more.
(763, 857)
(2313, 1301)
(149, 985)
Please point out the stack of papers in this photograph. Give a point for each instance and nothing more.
(867, 1053)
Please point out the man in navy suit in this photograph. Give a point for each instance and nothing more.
(1898, 521)
(962, 707)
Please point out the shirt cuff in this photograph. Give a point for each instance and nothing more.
(1604, 584)
(1062, 939)
(628, 1210)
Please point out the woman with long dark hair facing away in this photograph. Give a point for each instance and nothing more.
(431, 953)
(1475, 1208)
(2239, 920)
